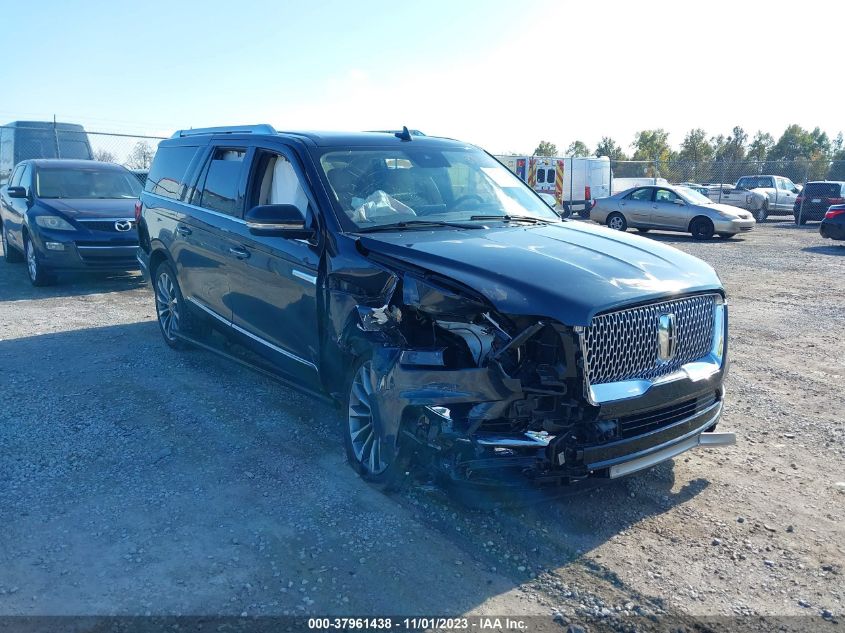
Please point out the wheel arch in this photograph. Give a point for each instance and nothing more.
(699, 217)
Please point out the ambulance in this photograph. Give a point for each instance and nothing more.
(575, 183)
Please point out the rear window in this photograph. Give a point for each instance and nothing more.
(823, 189)
(167, 174)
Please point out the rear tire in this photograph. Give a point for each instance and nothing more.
(172, 312)
(799, 221)
(701, 228)
(10, 253)
(617, 222)
(39, 275)
(369, 454)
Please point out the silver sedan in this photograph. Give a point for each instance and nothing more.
(671, 208)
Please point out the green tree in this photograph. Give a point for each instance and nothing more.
(730, 147)
(695, 147)
(760, 146)
(608, 147)
(578, 149)
(837, 166)
(545, 148)
(652, 145)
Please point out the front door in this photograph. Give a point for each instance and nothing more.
(274, 286)
(669, 211)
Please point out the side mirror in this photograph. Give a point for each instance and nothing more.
(16, 192)
(680, 202)
(278, 220)
(796, 190)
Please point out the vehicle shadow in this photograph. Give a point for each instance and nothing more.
(682, 238)
(826, 249)
(15, 286)
(219, 486)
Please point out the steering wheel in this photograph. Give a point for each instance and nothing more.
(466, 198)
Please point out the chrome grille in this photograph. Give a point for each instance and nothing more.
(623, 345)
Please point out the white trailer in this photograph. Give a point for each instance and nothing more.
(575, 183)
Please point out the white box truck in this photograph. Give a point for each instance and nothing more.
(575, 183)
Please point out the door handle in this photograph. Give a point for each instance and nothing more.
(183, 230)
(239, 252)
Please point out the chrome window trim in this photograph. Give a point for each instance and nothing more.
(238, 328)
(700, 369)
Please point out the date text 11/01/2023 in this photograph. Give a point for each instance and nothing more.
(481, 623)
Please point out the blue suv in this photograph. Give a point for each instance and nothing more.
(455, 318)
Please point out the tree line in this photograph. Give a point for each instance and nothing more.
(798, 154)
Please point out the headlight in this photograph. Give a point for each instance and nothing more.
(726, 215)
(53, 222)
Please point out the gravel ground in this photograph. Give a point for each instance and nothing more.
(136, 480)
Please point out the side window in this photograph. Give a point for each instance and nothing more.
(16, 176)
(788, 184)
(766, 183)
(664, 195)
(222, 179)
(642, 195)
(167, 173)
(541, 175)
(275, 181)
(26, 177)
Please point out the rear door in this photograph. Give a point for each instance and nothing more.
(205, 244)
(786, 194)
(274, 282)
(636, 206)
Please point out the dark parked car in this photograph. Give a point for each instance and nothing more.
(62, 215)
(816, 199)
(833, 224)
(451, 312)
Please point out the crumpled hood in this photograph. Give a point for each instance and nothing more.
(92, 208)
(568, 271)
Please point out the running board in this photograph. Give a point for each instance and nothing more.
(256, 368)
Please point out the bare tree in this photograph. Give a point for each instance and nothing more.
(105, 156)
(141, 156)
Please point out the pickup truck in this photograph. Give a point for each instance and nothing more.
(780, 193)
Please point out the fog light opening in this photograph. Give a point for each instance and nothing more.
(54, 246)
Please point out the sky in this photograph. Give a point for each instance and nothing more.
(501, 74)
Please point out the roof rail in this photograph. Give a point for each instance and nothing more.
(262, 128)
(411, 132)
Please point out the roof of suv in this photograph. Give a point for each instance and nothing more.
(320, 138)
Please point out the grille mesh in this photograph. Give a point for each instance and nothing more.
(623, 345)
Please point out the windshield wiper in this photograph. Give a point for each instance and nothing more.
(511, 218)
(416, 224)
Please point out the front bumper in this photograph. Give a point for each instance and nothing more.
(734, 226)
(91, 251)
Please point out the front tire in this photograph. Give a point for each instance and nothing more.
(643, 230)
(617, 222)
(10, 254)
(701, 228)
(39, 275)
(762, 213)
(379, 461)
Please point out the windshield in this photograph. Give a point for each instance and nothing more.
(86, 183)
(381, 187)
(692, 196)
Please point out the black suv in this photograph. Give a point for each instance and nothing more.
(816, 199)
(419, 283)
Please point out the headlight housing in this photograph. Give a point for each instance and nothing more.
(53, 222)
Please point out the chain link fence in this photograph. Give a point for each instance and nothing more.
(31, 139)
(799, 171)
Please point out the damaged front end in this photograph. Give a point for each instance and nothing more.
(493, 399)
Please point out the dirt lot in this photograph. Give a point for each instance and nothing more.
(135, 479)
